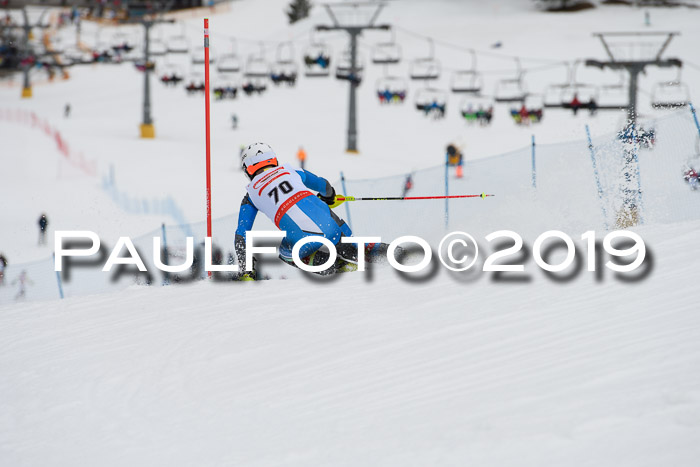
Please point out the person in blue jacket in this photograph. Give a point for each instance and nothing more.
(284, 194)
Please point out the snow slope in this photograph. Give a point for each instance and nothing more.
(373, 368)
(386, 372)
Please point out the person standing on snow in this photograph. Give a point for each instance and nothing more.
(43, 228)
(301, 156)
(23, 281)
(3, 265)
(454, 158)
(282, 193)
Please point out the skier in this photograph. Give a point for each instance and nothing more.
(3, 265)
(282, 193)
(43, 227)
(407, 185)
(23, 281)
(454, 158)
(691, 176)
(66, 111)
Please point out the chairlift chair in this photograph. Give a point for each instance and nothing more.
(76, 56)
(386, 53)
(479, 111)
(614, 96)
(426, 68)
(467, 81)
(256, 66)
(552, 96)
(157, 48)
(284, 69)
(391, 89)
(431, 101)
(171, 74)
(179, 44)
(344, 70)
(585, 93)
(345, 63)
(119, 40)
(511, 89)
(670, 95)
(195, 82)
(317, 59)
(198, 55)
(229, 63)
(225, 86)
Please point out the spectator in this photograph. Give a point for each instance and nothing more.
(301, 156)
(3, 265)
(408, 185)
(23, 281)
(43, 228)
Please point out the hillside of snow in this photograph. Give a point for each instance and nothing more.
(375, 368)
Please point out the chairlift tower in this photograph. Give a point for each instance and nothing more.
(629, 215)
(26, 38)
(345, 12)
(634, 67)
(147, 129)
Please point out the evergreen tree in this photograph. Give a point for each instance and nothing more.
(298, 9)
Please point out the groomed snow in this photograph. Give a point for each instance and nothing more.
(365, 369)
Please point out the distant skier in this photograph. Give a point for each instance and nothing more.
(282, 193)
(234, 122)
(66, 111)
(691, 176)
(301, 157)
(3, 265)
(454, 158)
(23, 281)
(407, 185)
(43, 228)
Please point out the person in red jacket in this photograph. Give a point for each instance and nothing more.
(575, 104)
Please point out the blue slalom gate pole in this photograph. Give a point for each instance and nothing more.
(58, 279)
(534, 165)
(695, 117)
(347, 205)
(166, 275)
(635, 154)
(597, 178)
(447, 189)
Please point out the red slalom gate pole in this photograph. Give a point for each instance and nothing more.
(206, 112)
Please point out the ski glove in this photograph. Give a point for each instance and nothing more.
(330, 199)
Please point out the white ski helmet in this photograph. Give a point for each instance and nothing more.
(257, 156)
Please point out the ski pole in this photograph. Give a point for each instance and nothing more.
(341, 199)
